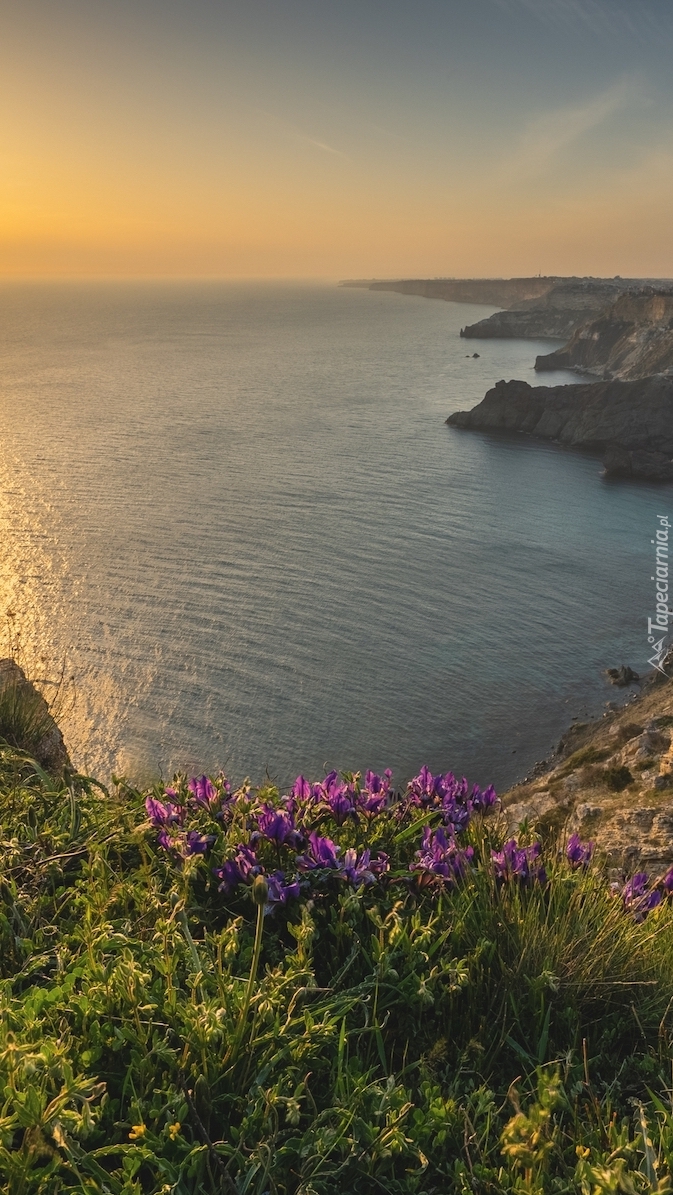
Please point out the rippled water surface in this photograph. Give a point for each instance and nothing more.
(236, 513)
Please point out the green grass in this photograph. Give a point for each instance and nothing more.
(24, 716)
(157, 1036)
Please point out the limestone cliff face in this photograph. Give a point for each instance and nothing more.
(556, 313)
(630, 424)
(632, 338)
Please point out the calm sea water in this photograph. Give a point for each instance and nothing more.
(235, 513)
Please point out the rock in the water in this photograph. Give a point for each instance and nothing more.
(622, 676)
(630, 424)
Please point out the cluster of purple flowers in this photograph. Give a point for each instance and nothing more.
(343, 799)
(440, 860)
(323, 855)
(640, 897)
(521, 863)
(286, 827)
(290, 832)
(449, 797)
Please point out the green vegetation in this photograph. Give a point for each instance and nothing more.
(24, 715)
(488, 1030)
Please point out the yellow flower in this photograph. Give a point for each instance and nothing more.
(582, 1151)
(137, 1131)
(173, 1130)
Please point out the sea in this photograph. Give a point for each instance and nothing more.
(236, 533)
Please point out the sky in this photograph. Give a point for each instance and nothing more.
(336, 138)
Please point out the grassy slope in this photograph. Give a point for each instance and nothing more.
(385, 1027)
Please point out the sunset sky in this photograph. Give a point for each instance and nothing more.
(336, 138)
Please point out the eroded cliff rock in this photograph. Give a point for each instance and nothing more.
(555, 313)
(629, 424)
(26, 721)
(632, 338)
(611, 781)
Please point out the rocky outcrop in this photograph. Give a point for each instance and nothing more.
(556, 313)
(496, 292)
(26, 721)
(611, 781)
(630, 424)
(632, 338)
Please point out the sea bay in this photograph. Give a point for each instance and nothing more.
(233, 512)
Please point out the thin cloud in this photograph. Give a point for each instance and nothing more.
(603, 18)
(328, 149)
(550, 134)
(293, 132)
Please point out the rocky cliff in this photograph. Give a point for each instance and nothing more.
(496, 292)
(26, 721)
(611, 781)
(630, 424)
(556, 313)
(632, 338)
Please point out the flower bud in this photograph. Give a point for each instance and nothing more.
(260, 890)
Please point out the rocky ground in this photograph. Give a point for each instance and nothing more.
(611, 781)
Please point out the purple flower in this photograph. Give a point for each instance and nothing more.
(301, 789)
(322, 853)
(376, 793)
(455, 815)
(635, 887)
(243, 867)
(337, 796)
(277, 826)
(165, 841)
(198, 844)
(364, 870)
(421, 789)
(203, 790)
(668, 881)
(481, 801)
(164, 815)
(639, 899)
(521, 863)
(579, 853)
(440, 859)
(279, 891)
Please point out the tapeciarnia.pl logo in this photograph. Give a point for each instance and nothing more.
(659, 624)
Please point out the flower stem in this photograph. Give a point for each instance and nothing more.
(257, 950)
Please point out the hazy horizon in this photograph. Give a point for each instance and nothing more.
(499, 138)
